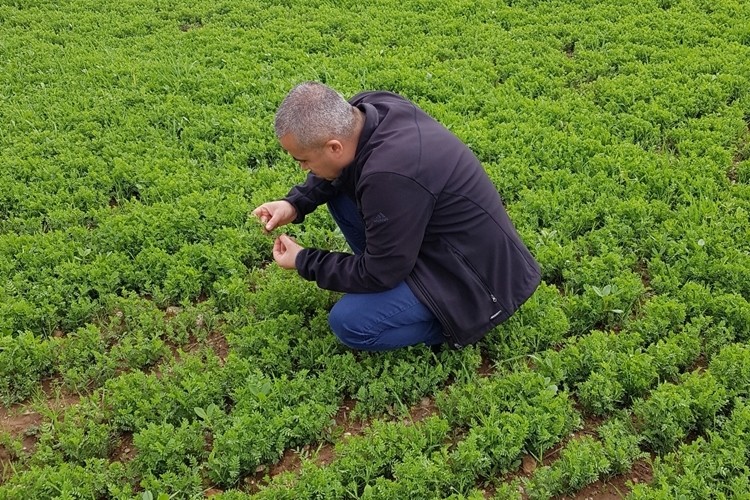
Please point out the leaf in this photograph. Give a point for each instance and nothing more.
(201, 413)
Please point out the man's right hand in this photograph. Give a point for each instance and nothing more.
(275, 214)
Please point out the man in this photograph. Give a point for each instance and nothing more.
(435, 258)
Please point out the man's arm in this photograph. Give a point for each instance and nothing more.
(396, 210)
(308, 196)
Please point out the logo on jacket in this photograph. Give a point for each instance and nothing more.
(380, 218)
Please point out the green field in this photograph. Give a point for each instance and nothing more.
(150, 348)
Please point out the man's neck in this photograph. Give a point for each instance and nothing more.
(353, 140)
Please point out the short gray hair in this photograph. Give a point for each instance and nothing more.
(314, 113)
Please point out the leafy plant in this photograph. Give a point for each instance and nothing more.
(24, 360)
(666, 417)
(731, 367)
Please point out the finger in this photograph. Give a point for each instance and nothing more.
(273, 222)
(287, 241)
(261, 213)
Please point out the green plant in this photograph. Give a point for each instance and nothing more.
(666, 417)
(24, 360)
(601, 393)
(731, 366)
(83, 359)
(621, 444)
(581, 462)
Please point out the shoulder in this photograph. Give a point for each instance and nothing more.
(378, 96)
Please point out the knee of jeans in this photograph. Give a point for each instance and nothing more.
(341, 322)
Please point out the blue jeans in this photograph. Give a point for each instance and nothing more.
(382, 320)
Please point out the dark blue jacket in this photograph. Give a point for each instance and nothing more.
(432, 218)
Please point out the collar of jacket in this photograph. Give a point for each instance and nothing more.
(372, 120)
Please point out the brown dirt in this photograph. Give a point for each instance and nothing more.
(425, 408)
(217, 342)
(487, 368)
(642, 270)
(19, 424)
(20, 421)
(732, 172)
(124, 451)
(191, 26)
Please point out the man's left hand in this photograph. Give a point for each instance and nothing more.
(285, 251)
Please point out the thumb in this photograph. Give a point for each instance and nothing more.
(286, 240)
(273, 222)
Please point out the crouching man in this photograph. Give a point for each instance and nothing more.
(434, 257)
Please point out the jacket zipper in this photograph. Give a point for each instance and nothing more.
(438, 313)
(479, 281)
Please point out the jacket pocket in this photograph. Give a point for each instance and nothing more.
(495, 308)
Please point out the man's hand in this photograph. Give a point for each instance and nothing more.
(275, 214)
(285, 252)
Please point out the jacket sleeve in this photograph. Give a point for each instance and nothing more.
(396, 211)
(306, 197)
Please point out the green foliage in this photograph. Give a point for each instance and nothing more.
(313, 482)
(94, 479)
(732, 368)
(708, 398)
(581, 462)
(605, 306)
(138, 138)
(270, 344)
(548, 410)
(136, 399)
(362, 461)
(269, 416)
(545, 483)
(491, 447)
(83, 432)
(167, 448)
(659, 317)
(417, 475)
(508, 491)
(665, 417)
(601, 393)
(82, 359)
(713, 466)
(276, 293)
(671, 355)
(395, 380)
(539, 324)
(168, 458)
(672, 411)
(24, 360)
(621, 444)
(637, 373)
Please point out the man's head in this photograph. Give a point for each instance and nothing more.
(319, 128)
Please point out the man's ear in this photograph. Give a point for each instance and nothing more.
(334, 147)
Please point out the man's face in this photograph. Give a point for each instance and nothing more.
(324, 161)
